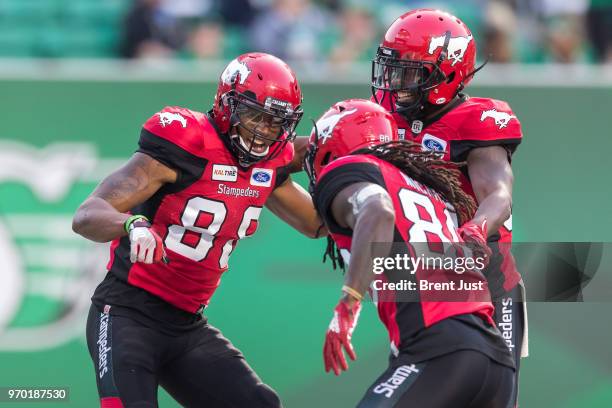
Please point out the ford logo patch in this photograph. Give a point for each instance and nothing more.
(261, 177)
(433, 145)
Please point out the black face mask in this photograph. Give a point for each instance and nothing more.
(405, 82)
(272, 123)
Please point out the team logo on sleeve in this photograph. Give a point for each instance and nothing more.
(234, 69)
(261, 177)
(221, 172)
(325, 126)
(501, 118)
(457, 46)
(166, 118)
(433, 143)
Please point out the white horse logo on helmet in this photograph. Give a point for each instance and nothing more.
(166, 118)
(457, 46)
(501, 118)
(325, 126)
(235, 68)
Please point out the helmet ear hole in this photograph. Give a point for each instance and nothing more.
(326, 159)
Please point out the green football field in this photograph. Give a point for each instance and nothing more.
(59, 137)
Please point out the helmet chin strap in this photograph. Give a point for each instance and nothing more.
(413, 111)
(238, 148)
(309, 159)
(471, 74)
(241, 150)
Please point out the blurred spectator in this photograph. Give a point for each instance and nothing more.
(237, 12)
(564, 28)
(200, 23)
(599, 19)
(149, 32)
(206, 40)
(358, 37)
(332, 5)
(291, 30)
(338, 31)
(499, 31)
(187, 9)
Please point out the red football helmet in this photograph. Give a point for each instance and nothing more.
(426, 57)
(257, 106)
(346, 127)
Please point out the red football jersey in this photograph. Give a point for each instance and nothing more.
(422, 218)
(213, 204)
(472, 123)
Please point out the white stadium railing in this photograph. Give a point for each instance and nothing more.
(555, 75)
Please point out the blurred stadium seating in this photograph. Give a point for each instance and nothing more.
(510, 30)
(58, 28)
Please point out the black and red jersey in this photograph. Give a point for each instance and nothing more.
(426, 323)
(202, 216)
(470, 123)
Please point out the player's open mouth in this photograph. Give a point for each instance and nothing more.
(406, 97)
(256, 147)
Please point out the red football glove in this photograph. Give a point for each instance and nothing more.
(339, 335)
(475, 237)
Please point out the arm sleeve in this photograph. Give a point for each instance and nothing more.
(186, 164)
(174, 141)
(334, 181)
(460, 149)
(282, 174)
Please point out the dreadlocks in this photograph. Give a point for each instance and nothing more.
(427, 168)
(424, 167)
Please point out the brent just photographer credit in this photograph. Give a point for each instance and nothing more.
(437, 270)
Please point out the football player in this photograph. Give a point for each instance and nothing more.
(426, 59)
(174, 213)
(370, 189)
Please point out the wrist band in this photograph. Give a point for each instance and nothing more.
(350, 291)
(129, 221)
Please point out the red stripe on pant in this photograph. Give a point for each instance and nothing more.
(111, 402)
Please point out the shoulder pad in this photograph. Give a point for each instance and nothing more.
(181, 126)
(488, 119)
